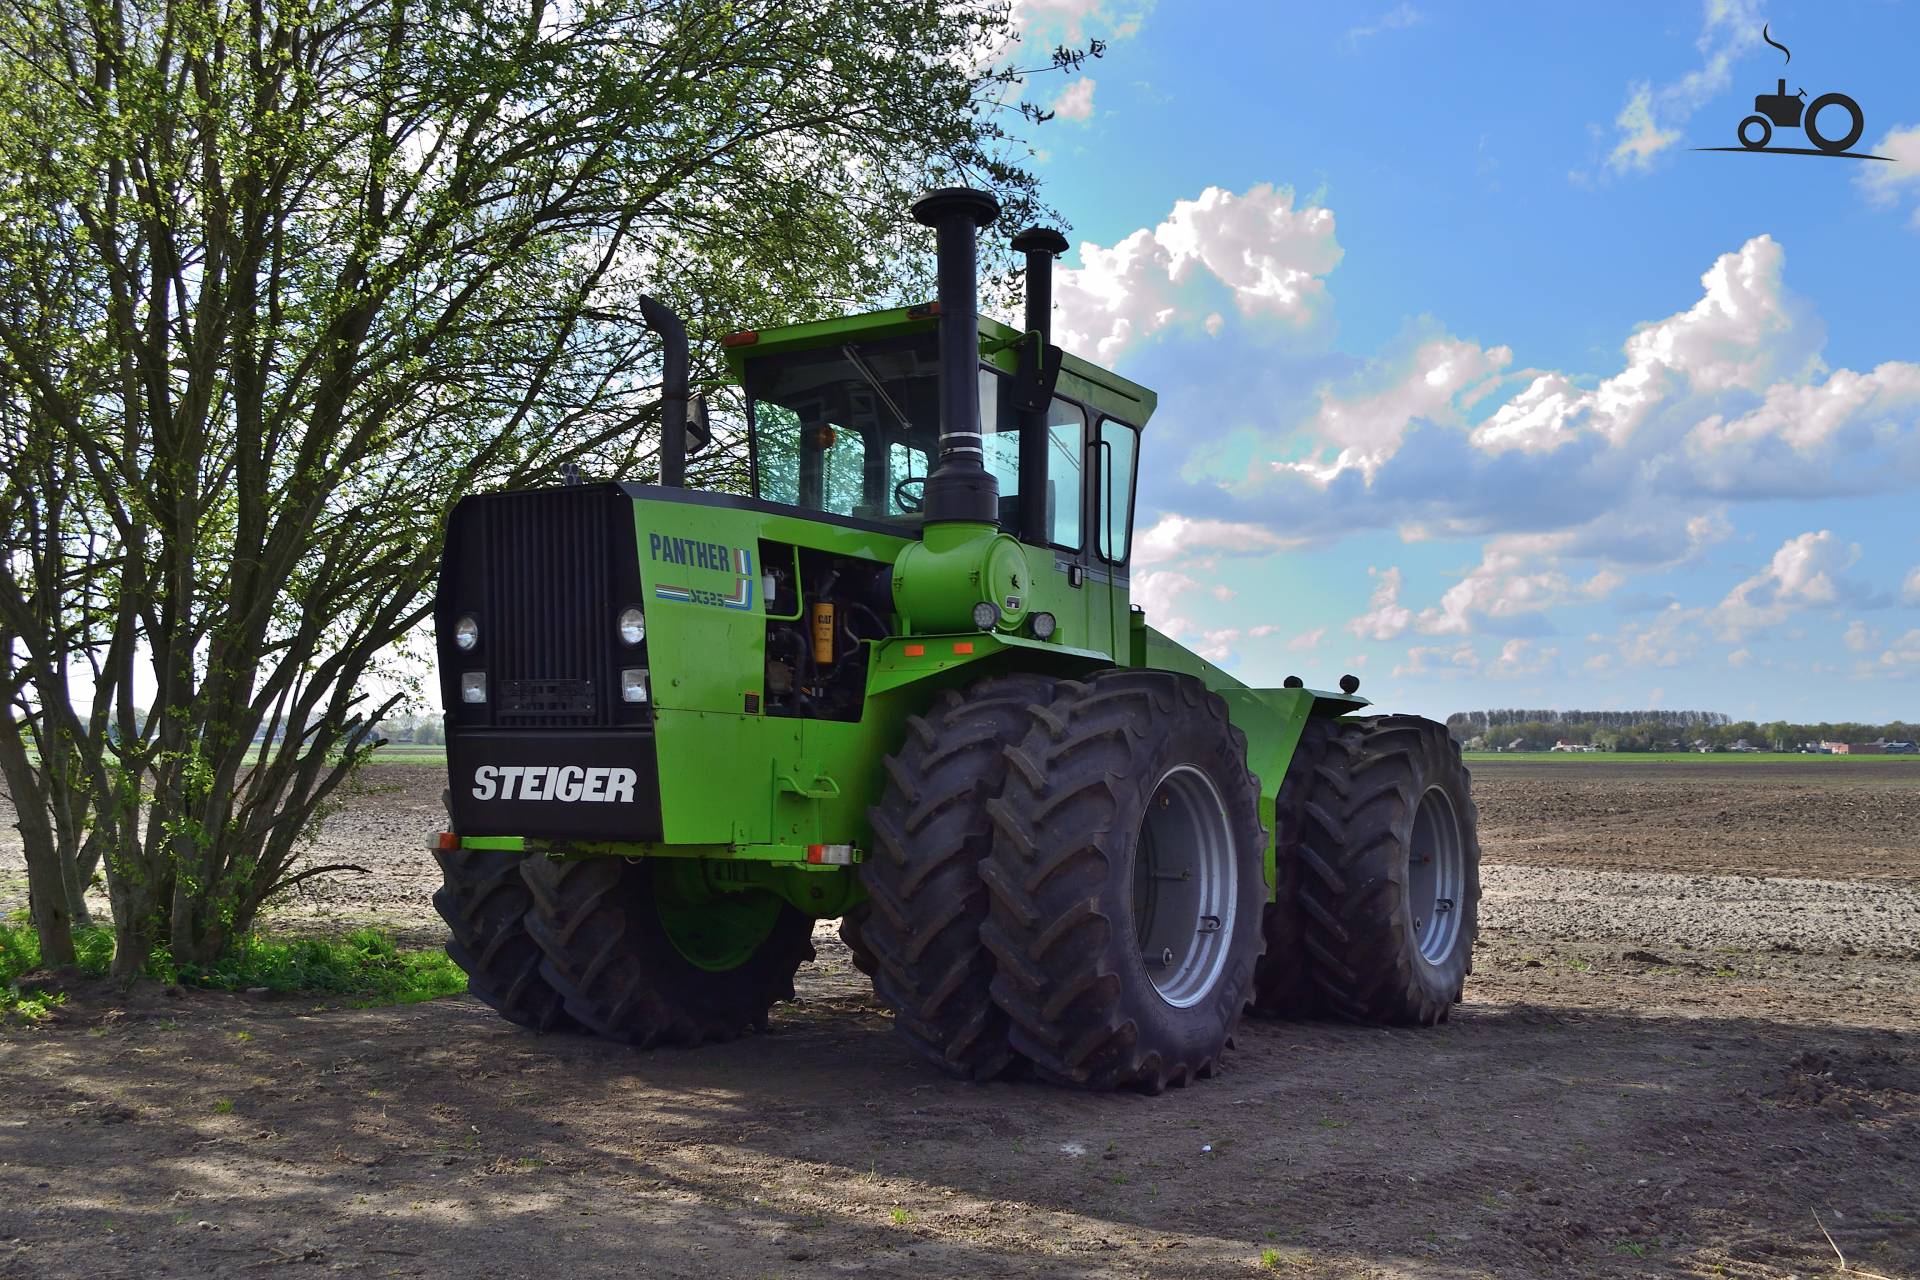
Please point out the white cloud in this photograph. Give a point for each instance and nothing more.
(1385, 617)
(1365, 429)
(1076, 100)
(1217, 646)
(1307, 639)
(1859, 637)
(1430, 660)
(1742, 333)
(1520, 658)
(1641, 138)
(1888, 184)
(1178, 537)
(1805, 573)
(1650, 121)
(1161, 592)
(1511, 580)
(1910, 589)
(1397, 18)
(1268, 255)
(1902, 657)
(1072, 21)
(1739, 658)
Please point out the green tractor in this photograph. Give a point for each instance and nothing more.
(901, 684)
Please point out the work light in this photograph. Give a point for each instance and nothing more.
(633, 627)
(466, 633)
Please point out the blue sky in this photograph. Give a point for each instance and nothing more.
(1476, 379)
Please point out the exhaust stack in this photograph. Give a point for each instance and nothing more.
(960, 488)
(1041, 245)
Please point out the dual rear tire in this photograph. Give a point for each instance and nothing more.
(1067, 879)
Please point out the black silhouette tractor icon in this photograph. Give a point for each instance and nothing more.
(1785, 109)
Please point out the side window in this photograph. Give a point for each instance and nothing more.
(1000, 435)
(1116, 488)
(1066, 443)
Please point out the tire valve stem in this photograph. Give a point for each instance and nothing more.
(1162, 961)
(1209, 924)
(1443, 904)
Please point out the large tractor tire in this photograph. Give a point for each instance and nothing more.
(1390, 871)
(1126, 883)
(484, 902)
(1283, 985)
(638, 963)
(931, 832)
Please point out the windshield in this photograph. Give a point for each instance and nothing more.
(853, 429)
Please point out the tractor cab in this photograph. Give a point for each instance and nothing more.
(844, 421)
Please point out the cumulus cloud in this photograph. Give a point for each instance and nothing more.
(1859, 637)
(1385, 617)
(1910, 589)
(1650, 121)
(1363, 428)
(1807, 572)
(1270, 257)
(1307, 639)
(1076, 100)
(1183, 538)
(1889, 185)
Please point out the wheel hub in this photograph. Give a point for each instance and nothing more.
(1185, 885)
(1436, 876)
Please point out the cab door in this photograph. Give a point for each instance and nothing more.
(1114, 448)
(1083, 618)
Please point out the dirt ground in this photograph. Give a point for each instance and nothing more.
(1690, 1030)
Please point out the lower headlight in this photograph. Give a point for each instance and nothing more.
(473, 686)
(986, 615)
(466, 633)
(633, 684)
(1043, 625)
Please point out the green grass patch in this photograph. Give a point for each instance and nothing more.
(365, 967)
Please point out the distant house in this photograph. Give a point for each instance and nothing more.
(1573, 746)
(1518, 744)
(1902, 748)
(1743, 745)
(1855, 748)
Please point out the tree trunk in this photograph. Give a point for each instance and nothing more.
(47, 890)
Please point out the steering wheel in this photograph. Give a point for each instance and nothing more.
(909, 503)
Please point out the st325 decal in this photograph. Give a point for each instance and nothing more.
(714, 557)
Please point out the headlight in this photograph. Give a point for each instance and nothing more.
(473, 686)
(1043, 626)
(633, 684)
(633, 625)
(986, 615)
(466, 633)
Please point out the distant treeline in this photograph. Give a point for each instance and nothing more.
(1657, 730)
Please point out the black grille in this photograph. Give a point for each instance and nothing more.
(548, 593)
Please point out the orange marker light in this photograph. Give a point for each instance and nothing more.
(448, 840)
(914, 650)
(744, 338)
(964, 646)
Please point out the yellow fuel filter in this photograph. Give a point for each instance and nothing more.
(823, 634)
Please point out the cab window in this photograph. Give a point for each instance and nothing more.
(1119, 444)
(1066, 444)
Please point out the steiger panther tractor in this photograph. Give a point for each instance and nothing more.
(901, 684)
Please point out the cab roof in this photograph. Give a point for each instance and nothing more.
(1100, 389)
